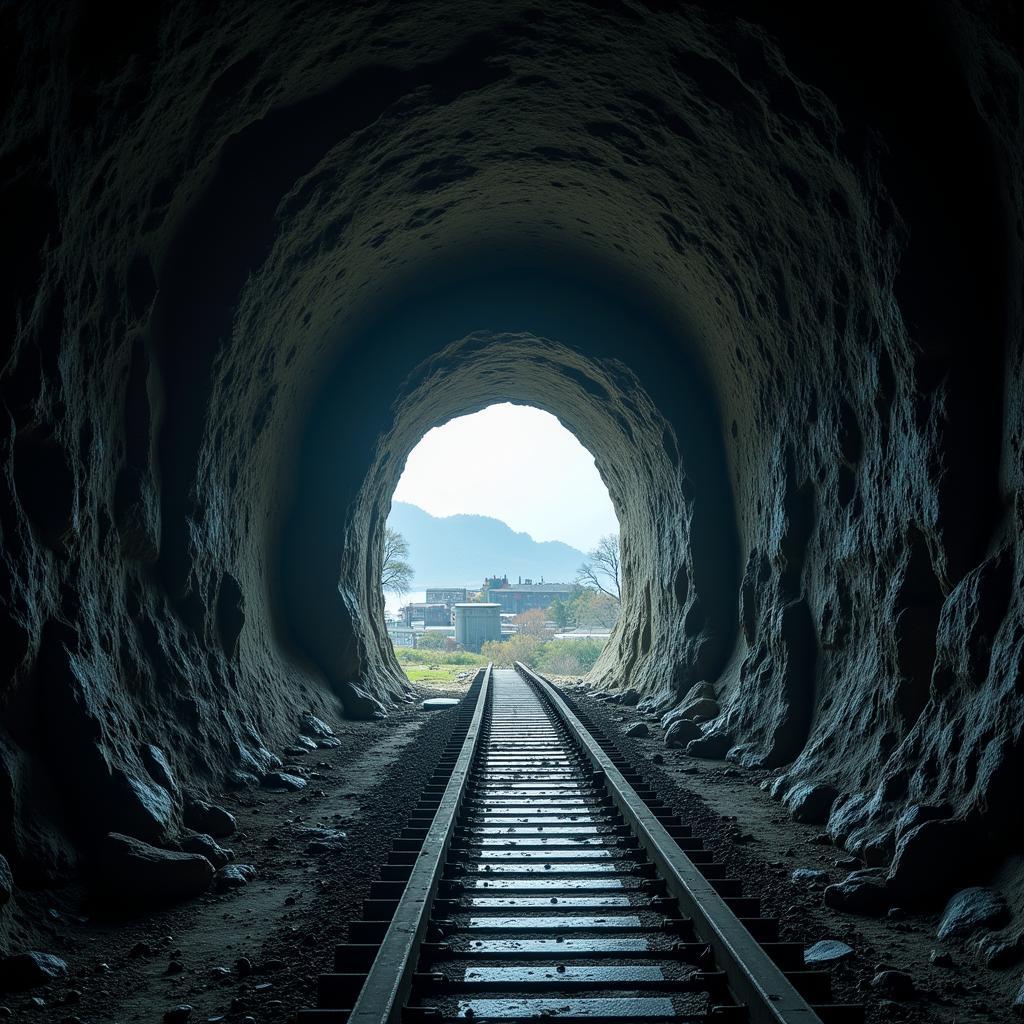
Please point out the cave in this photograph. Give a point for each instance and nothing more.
(765, 262)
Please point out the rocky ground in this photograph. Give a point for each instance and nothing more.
(898, 968)
(253, 953)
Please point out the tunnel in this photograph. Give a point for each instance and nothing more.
(764, 261)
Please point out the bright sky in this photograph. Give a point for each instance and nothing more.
(514, 463)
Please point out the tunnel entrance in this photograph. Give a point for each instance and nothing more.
(501, 545)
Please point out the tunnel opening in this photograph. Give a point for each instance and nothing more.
(501, 545)
(586, 345)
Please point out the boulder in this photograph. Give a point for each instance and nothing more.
(630, 698)
(999, 951)
(929, 861)
(139, 872)
(314, 727)
(234, 876)
(207, 846)
(305, 742)
(283, 781)
(808, 876)
(971, 909)
(1018, 1002)
(209, 818)
(894, 984)
(639, 729)
(237, 779)
(861, 892)
(847, 813)
(681, 732)
(810, 803)
(703, 709)
(6, 881)
(713, 747)
(140, 807)
(827, 951)
(28, 970)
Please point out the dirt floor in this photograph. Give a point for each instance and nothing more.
(253, 954)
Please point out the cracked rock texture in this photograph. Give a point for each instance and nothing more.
(767, 266)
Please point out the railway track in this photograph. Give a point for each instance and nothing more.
(541, 877)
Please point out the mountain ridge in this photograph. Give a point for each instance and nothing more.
(462, 549)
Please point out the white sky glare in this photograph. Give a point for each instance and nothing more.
(514, 463)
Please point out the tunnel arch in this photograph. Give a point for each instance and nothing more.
(247, 216)
(620, 376)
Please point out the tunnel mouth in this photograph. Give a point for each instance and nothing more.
(612, 375)
(502, 545)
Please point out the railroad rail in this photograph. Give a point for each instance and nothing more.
(541, 877)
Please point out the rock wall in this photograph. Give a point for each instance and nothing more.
(767, 268)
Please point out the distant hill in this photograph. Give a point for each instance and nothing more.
(460, 551)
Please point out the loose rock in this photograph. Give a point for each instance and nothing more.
(895, 984)
(134, 870)
(681, 732)
(971, 909)
(639, 729)
(929, 858)
(862, 892)
(178, 1015)
(209, 818)
(234, 876)
(283, 780)
(808, 876)
(207, 846)
(27, 970)
(827, 951)
(810, 803)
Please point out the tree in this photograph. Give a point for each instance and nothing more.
(601, 569)
(396, 573)
(532, 623)
(515, 648)
(560, 612)
(592, 608)
(430, 641)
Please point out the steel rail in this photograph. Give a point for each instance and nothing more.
(755, 980)
(390, 977)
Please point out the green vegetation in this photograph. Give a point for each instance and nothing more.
(423, 665)
(552, 657)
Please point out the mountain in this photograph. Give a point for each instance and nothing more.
(460, 551)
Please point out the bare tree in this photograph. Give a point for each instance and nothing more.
(395, 571)
(601, 569)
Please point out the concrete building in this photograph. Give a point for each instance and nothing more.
(449, 596)
(525, 595)
(427, 613)
(476, 623)
(401, 636)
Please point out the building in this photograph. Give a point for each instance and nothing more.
(427, 613)
(449, 596)
(525, 595)
(476, 623)
(401, 636)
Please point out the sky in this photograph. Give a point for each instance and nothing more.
(514, 463)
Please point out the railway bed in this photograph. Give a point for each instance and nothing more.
(542, 878)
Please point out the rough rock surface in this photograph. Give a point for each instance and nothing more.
(971, 909)
(139, 873)
(776, 297)
(27, 970)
